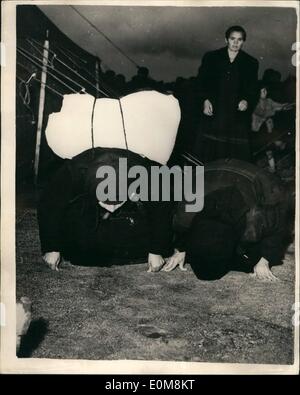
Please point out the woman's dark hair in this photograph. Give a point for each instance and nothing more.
(236, 29)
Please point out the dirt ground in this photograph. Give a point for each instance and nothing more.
(123, 312)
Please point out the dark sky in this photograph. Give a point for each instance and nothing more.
(171, 40)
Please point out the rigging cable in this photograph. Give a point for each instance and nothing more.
(49, 62)
(104, 35)
(123, 124)
(63, 52)
(105, 86)
(25, 54)
(50, 65)
(54, 56)
(92, 125)
(73, 71)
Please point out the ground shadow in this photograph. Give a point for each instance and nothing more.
(33, 338)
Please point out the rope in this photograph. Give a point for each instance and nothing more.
(26, 97)
(123, 123)
(47, 86)
(105, 36)
(92, 124)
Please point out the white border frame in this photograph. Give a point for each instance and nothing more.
(8, 362)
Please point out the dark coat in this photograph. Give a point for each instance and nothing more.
(225, 84)
(246, 206)
(72, 222)
(215, 64)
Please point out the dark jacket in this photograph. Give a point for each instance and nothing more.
(71, 219)
(225, 84)
(246, 198)
(211, 74)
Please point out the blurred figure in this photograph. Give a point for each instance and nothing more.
(263, 115)
(265, 110)
(141, 80)
(120, 84)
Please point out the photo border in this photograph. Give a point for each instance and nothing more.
(9, 363)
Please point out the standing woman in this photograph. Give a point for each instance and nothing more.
(228, 89)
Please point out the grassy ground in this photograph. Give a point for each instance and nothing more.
(123, 312)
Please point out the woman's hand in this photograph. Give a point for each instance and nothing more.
(177, 259)
(263, 272)
(208, 108)
(243, 105)
(287, 106)
(52, 259)
(155, 262)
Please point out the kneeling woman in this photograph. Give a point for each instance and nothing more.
(243, 225)
(73, 222)
(75, 225)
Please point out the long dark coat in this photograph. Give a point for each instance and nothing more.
(225, 84)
